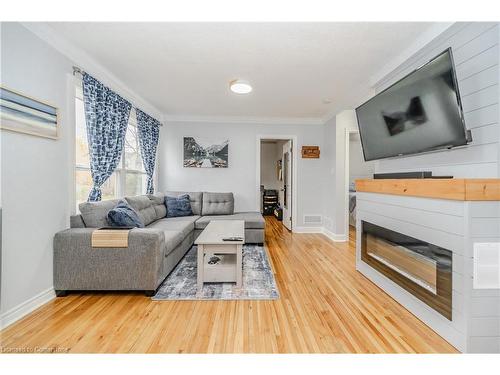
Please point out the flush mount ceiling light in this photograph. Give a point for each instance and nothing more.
(239, 86)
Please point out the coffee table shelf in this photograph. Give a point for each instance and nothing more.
(211, 243)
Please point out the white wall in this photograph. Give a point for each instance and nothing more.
(476, 55)
(346, 121)
(335, 134)
(240, 177)
(35, 173)
(328, 154)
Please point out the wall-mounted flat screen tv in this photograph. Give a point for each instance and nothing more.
(421, 112)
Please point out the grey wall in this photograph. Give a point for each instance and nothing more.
(35, 171)
(475, 50)
(270, 153)
(358, 167)
(240, 176)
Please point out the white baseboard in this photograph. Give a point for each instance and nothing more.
(23, 309)
(307, 230)
(334, 236)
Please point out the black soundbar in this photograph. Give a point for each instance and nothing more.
(401, 175)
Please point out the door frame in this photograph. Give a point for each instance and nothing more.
(347, 161)
(281, 137)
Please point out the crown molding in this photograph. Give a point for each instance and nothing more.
(361, 96)
(434, 32)
(90, 65)
(246, 120)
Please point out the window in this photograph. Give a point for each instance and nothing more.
(129, 178)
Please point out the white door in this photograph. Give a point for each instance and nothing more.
(287, 185)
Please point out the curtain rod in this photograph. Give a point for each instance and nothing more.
(77, 70)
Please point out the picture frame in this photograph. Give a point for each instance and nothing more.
(205, 152)
(310, 152)
(24, 114)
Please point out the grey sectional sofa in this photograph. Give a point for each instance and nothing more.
(152, 252)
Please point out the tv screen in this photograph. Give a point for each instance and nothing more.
(421, 112)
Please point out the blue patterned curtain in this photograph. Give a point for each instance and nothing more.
(106, 115)
(149, 130)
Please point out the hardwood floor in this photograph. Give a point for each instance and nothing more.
(325, 307)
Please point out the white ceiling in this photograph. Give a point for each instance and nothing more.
(184, 69)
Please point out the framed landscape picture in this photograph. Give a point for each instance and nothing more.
(23, 114)
(203, 152)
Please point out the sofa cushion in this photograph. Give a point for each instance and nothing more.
(172, 239)
(76, 221)
(122, 215)
(144, 208)
(158, 201)
(176, 229)
(253, 220)
(194, 197)
(94, 214)
(217, 204)
(178, 206)
(185, 224)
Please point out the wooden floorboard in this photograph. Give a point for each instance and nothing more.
(325, 306)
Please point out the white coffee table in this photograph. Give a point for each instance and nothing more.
(210, 243)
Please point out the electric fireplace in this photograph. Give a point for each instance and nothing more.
(423, 269)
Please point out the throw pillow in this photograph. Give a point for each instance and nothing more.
(178, 206)
(123, 215)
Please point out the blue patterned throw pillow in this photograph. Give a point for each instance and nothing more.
(180, 206)
(124, 216)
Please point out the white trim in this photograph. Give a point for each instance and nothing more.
(89, 64)
(435, 32)
(347, 162)
(71, 83)
(425, 38)
(28, 306)
(246, 120)
(307, 230)
(293, 138)
(334, 236)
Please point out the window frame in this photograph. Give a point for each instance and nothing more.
(121, 171)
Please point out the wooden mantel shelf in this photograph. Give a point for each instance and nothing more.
(462, 189)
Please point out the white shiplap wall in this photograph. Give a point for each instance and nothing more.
(456, 226)
(484, 304)
(476, 55)
(440, 222)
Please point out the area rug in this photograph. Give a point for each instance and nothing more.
(258, 280)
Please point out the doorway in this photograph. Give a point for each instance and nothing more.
(275, 177)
